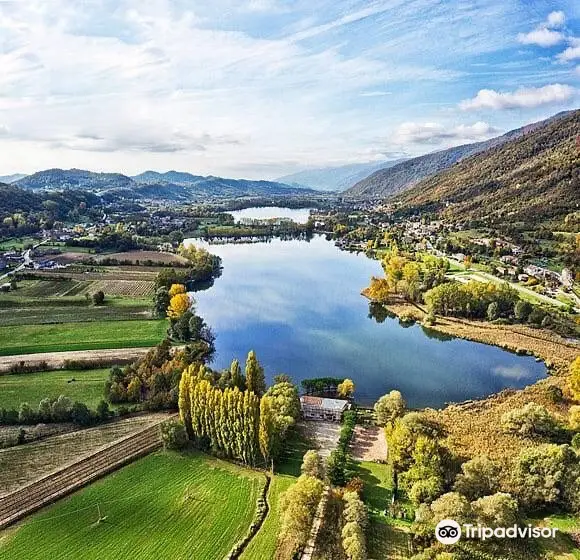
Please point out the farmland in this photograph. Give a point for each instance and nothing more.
(24, 463)
(263, 545)
(87, 387)
(30, 339)
(163, 506)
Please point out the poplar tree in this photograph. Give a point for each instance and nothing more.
(237, 379)
(255, 381)
(268, 431)
(184, 402)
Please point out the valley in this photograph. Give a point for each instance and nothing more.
(436, 307)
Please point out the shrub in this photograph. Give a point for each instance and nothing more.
(574, 418)
(497, 510)
(452, 506)
(99, 298)
(530, 421)
(479, 477)
(548, 475)
(173, 434)
(312, 465)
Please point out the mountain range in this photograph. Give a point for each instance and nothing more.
(532, 178)
(388, 182)
(7, 179)
(336, 178)
(171, 186)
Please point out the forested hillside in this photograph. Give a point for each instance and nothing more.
(533, 179)
(391, 181)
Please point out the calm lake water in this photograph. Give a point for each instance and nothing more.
(298, 305)
(298, 215)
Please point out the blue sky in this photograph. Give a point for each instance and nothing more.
(261, 88)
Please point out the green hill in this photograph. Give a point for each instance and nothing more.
(532, 179)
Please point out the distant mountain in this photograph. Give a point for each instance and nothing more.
(172, 186)
(7, 179)
(335, 178)
(388, 182)
(58, 179)
(532, 178)
(175, 177)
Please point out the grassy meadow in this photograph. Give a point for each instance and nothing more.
(30, 339)
(166, 505)
(33, 387)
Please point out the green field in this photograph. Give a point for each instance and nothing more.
(263, 545)
(165, 506)
(33, 387)
(70, 310)
(30, 339)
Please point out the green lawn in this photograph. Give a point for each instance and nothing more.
(16, 243)
(33, 387)
(164, 506)
(29, 339)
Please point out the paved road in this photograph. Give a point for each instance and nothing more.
(486, 277)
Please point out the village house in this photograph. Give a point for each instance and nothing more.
(320, 408)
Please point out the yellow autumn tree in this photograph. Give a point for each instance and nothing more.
(178, 305)
(346, 388)
(176, 289)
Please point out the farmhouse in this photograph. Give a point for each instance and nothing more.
(319, 408)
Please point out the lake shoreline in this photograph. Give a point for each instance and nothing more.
(549, 347)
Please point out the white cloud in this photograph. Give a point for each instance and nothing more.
(375, 93)
(571, 53)
(436, 133)
(556, 19)
(543, 37)
(521, 98)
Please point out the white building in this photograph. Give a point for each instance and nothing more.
(319, 408)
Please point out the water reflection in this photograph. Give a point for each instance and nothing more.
(298, 305)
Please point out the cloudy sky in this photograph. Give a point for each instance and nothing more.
(261, 88)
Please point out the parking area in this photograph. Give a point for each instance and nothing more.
(325, 434)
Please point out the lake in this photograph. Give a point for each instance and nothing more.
(298, 305)
(298, 215)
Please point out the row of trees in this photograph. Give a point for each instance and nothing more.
(355, 518)
(233, 415)
(52, 410)
(473, 300)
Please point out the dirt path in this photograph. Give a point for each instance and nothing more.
(55, 360)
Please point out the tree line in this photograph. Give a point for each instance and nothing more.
(233, 415)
